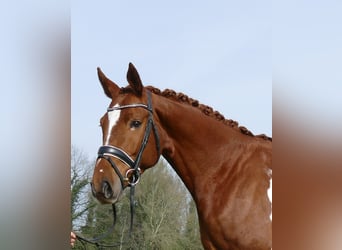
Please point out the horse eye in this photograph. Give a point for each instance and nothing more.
(135, 124)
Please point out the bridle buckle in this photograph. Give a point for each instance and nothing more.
(134, 178)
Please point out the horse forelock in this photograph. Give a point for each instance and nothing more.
(207, 110)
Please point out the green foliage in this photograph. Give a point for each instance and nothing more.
(165, 216)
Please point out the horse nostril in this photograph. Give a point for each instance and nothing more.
(107, 190)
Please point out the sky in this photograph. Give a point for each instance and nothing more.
(217, 52)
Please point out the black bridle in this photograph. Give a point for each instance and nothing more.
(132, 175)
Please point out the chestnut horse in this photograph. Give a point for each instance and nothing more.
(225, 167)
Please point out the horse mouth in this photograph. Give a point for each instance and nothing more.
(104, 200)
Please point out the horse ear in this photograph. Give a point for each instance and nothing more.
(134, 80)
(110, 88)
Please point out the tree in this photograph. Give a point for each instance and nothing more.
(161, 207)
(192, 233)
(80, 172)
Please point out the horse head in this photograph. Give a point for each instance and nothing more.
(130, 137)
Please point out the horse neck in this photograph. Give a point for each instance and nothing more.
(194, 144)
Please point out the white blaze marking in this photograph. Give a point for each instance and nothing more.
(113, 117)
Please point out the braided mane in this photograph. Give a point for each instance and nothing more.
(209, 111)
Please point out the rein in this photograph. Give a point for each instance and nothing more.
(108, 151)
